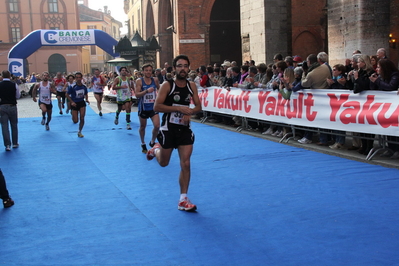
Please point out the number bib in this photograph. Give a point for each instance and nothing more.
(80, 94)
(149, 97)
(177, 117)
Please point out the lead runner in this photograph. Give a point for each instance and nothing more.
(173, 100)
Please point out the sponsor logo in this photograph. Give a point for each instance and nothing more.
(67, 37)
(16, 68)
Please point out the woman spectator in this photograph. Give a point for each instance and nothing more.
(338, 81)
(387, 80)
(222, 77)
(360, 81)
(374, 60)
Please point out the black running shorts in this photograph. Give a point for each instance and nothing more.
(175, 137)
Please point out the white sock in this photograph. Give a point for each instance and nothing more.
(183, 196)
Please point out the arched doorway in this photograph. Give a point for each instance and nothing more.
(225, 32)
(56, 63)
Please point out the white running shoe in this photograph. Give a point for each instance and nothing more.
(304, 141)
(269, 131)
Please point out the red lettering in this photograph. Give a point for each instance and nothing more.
(386, 122)
(349, 115)
(203, 95)
(368, 111)
(309, 102)
(270, 106)
(280, 105)
(292, 113)
(247, 108)
(262, 96)
(336, 103)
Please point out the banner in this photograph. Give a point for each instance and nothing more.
(67, 37)
(375, 112)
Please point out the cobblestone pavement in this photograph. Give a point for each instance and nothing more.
(28, 108)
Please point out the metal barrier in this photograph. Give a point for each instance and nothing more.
(382, 139)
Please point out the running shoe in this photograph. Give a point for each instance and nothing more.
(15, 146)
(43, 121)
(304, 141)
(60, 112)
(8, 148)
(100, 114)
(186, 205)
(144, 148)
(80, 135)
(151, 152)
(7, 203)
(128, 127)
(47, 127)
(63, 106)
(116, 121)
(151, 144)
(67, 111)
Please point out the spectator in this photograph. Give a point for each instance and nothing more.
(290, 61)
(296, 60)
(158, 74)
(248, 83)
(338, 81)
(316, 78)
(359, 81)
(222, 78)
(374, 60)
(204, 77)
(236, 74)
(382, 53)
(226, 64)
(388, 80)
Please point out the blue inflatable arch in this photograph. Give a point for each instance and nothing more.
(38, 38)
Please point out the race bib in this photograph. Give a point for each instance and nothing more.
(149, 97)
(45, 99)
(80, 93)
(177, 117)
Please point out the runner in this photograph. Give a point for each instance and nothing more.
(98, 82)
(123, 88)
(45, 89)
(174, 100)
(146, 91)
(70, 83)
(77, 95)
(59, 83)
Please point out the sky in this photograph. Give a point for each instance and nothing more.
(116, 7)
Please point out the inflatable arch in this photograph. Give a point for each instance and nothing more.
(38, 38)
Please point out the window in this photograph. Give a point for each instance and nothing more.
(15, 34)
(91, 27)
(53, 6)
(13, 5)
(93, 50)
(54, 28)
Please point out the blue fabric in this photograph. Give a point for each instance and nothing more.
(98, 201)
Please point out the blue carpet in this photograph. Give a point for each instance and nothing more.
(98, 201)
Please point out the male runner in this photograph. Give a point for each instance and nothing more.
(174, 100)
(98, 82)
(45, 88)
(59, 84)
(70, 83)
(77, 95)
(146, 89)
(123, 87)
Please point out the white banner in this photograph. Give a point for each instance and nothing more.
(67, 37)
(374, 112)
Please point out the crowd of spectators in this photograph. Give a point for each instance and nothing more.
(291, 74)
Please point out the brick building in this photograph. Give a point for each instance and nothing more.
(214, 30)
